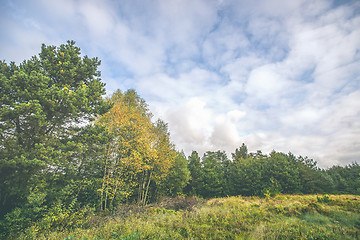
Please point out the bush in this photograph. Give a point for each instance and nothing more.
(323, 199)
(62, 217)
(23, 217)
(272, 190)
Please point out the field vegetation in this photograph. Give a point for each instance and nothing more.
(279, 217)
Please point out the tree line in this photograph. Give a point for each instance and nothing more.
(257, 174)
(67, 151)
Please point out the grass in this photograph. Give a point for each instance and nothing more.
(281, 217)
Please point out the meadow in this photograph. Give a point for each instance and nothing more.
(279, 217)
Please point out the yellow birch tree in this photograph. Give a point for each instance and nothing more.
(139, 153)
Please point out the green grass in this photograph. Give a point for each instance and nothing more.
(281, 217)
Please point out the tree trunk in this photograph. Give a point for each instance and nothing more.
(147, 188)
(103, 183)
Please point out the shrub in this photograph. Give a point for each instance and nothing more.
(323, 199)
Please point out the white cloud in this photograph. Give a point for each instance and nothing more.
(174, 90)
(267, 84)
(225, 134)
(235, 115)
(98, 17)
(190, 123)
(273, 74)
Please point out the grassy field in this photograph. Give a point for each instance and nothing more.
(281, 217)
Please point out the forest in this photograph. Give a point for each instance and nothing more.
(68, 152)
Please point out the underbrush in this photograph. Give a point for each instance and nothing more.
(281, 217)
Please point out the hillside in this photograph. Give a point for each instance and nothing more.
(281, 217)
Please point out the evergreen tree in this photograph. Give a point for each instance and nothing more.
(178, 177)
(46, 102)
(240, 153)
(196, 173)
(214, 181)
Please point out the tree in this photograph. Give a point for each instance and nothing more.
(165, 157)
(345, 179)
(140, 152)
(353, 178)
(281, 173)
(249, 175)
(196, 174)
(214, 179)
(45, 102)
(129, 122)
(178, 177)
(240, 153)
(312, 179)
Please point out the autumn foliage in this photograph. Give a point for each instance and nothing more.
(139, 153)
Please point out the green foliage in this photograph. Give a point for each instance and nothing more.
(21, 218)
(210, 176)
(71, 237)
(273, 189)
(39, 216)
(345, 179)
(196, 173)
(133, 236)
(247, 176)
(240, 153)
(256, 174)
(178, 177)
(323, 199)
(214, 178)
(313, 179)
(47, 102)
(61, 216)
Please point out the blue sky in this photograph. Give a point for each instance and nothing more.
(274, 74)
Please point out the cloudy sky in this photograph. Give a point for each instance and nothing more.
(274, 74)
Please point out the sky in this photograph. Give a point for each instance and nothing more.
(276, 75)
